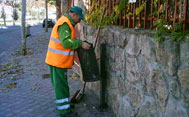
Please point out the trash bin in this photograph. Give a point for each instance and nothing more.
(28, 30)
(89, 65)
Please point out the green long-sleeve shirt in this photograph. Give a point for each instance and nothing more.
(65, 35)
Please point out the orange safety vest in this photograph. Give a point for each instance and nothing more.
(57, 55)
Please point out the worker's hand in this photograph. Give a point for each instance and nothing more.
(86, 46)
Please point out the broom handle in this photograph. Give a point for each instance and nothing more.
(98, 31)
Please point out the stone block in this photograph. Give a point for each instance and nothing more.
(184, 54)
(122, 87)
(183, 75)
(161, 54)
(134, 94)
(156, 84)
(174, 109)
(119, 59)
(124, 109)
(110, 37)
(148, 108)
(120, 39)
(148, 48)
(168, 56)
(132, 70)
(112, 80)
(133, 47)
(174, 88)
(112, 99)
(90, 30)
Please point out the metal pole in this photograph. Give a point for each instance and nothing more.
(103, 73)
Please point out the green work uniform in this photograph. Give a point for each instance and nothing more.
(59, 75)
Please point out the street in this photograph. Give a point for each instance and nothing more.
(10, 36)
(24, 92)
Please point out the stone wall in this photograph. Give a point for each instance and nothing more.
(144, 78)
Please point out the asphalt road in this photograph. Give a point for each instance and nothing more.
(10, 36)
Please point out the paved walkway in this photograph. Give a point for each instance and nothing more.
(25, 93)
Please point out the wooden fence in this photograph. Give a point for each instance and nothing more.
(172, 10)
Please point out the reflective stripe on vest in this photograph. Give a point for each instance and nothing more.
(57, 55)
(61, 51)
(55, 39)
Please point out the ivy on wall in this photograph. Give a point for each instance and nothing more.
(163, 28)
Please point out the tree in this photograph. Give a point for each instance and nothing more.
(46, 21)
(24, 27)
(3, 14)
(58, 9)
(14, 12)
(15, 16)
(64, 6)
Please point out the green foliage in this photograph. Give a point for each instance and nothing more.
(95, 14)
(162, 27)
(15, 15)
(51, 2)
(161, 30)
(18, 6)
(140, 8)
(177, 34)
(122, 4)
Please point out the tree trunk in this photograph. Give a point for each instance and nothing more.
(64, 6)
(58, 9)
(4, 14)
(13, 11)
(24, 27)
(46, 21)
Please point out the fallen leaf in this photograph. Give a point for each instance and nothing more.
(33, 89)
(5, 90)
(14, 78)
(37, 84)
(11, 85)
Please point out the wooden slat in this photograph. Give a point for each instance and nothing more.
(124, 21)
(185, 14)
(134, 14)
(159, 4)
(167, 11)
(139, 21)
(105, 5)
(150, 18)
(144, 16)
(152, 10)
(120, 18)
(129, 19)
(175, 12)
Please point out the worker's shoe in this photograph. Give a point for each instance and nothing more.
(71, 114)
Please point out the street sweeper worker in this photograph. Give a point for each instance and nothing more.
(60, 57)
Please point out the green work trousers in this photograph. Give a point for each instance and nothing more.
(60, 84)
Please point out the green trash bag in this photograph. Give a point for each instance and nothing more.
(89, 65)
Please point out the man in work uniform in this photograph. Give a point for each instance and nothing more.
(60, 57)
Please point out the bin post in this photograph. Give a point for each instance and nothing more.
(28, 30)
(103, 75)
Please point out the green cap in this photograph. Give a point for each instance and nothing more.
(79, 11)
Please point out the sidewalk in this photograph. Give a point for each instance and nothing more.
(23, 91)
